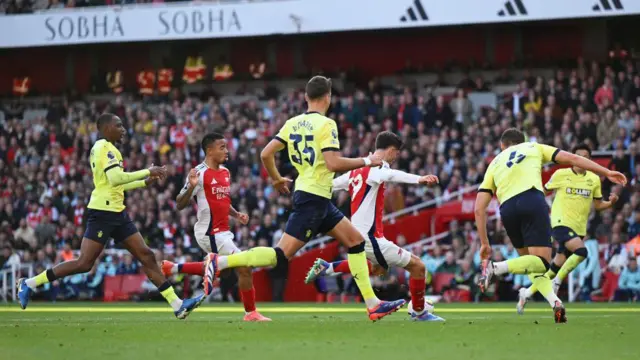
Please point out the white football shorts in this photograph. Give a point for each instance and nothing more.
(221, 243)
(385, 253)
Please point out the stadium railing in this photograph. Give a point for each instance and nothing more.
(8, 278)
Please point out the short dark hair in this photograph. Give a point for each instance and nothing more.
(512, 136)
(210, 139)
(105, 119)
(387, 139)
(318, 87)
(582, 146)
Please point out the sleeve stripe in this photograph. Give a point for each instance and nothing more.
(280, 139)
(555, 153)
(111, 167)
(597, 198)
(330, 149)
(485, 191)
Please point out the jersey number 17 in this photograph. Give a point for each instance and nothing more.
(515, 158)
(307, 149)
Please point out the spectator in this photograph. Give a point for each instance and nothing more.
(127, 266)
(629, 282)
(604, 95)
(607, 131)
(25, 236)
(433, 261)
(462, 109)
(45, 231)
(9, 258)
(449, 265)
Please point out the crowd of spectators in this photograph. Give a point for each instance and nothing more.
(45, 179)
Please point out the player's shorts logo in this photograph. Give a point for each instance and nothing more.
(99, 234)
(308, 234)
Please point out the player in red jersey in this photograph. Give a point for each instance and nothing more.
(210, 184)
(366, 187)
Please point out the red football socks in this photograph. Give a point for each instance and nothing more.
(248, 299)
(192, 268)
(343, 266)
(417, 289)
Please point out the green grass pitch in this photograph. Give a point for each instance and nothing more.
(314, 331)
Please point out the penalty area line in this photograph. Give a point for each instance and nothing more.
(284, 309)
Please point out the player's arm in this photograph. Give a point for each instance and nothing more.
(268, 157)
(136, 184)
(242, 217)
(117, 176)
(485, 193)
(185, 195)
(598, 203)
(341, 182)
(335, 162)
(398, 176)
(549, 153)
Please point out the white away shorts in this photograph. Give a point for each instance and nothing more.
(385, 253)
(220, 243)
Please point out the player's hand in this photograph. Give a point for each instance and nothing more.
(613, 198)
(158, 171)
(428, 180)
(485, 252)
(243, 218)
(282, 185)
(617, 178)
(193, 178)
(376, 160)
(150, 180)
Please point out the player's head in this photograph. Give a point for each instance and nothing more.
(111, 128)
(318, 93)
(214, 146)
(390, 144)
(511, 137)
(582, 150)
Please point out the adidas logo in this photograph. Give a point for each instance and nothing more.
(213, 181)
(513, 8)
(411, 13)
(606, 5)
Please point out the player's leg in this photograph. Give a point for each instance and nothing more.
(134, 243)
(348, 236)
(223, 244)
(261, 256)
(340, 267)
(545, 286)
(207, 243)
(561, 235)
(526, 220)
(190, 268)
(303, 223)
(578, 252)
(89, 252)
(99, 228)
(343, 231)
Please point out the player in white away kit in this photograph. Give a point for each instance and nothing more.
(367, 186)
(210, 184)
